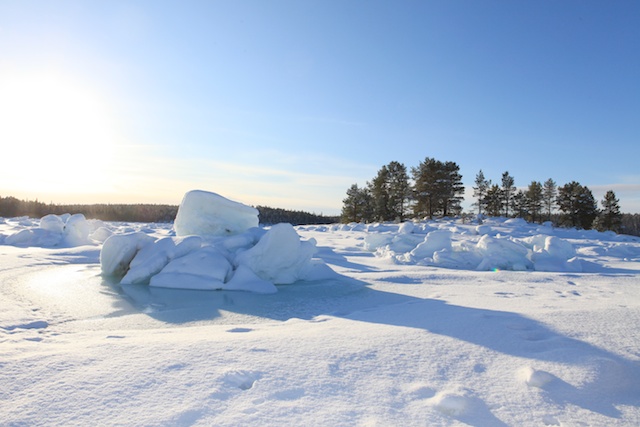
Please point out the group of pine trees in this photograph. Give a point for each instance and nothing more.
(436, 190)
(578, 208)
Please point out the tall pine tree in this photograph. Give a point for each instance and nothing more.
(577, 205)
(480, 190)
(534, 201)
(610, 218)
(549, 194)
(508, 190)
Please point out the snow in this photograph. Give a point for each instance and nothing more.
(421, 323)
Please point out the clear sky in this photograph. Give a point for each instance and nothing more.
(288, 103)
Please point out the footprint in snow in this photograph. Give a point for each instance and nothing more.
(36, 324)
(243, 380)
(451, 404)
(535, 378)
(464, 407)
(239, 330)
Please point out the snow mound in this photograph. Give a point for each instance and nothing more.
(209, 214)
(227, 252)
(55, 231)
(450, 403)
(535, 378)
(496, 244)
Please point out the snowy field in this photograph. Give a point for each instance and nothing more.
(428, 324)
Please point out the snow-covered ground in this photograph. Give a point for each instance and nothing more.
(427, 324)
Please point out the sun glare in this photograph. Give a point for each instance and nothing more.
(58, 135)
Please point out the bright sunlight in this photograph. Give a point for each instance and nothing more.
(58, 135)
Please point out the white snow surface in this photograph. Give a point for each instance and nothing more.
(438, 323)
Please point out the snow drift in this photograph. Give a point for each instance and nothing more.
(497, 244)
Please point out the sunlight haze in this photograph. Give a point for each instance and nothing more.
(286, 103)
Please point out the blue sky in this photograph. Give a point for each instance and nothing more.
(288, 103)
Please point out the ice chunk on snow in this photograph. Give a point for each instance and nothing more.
(246, 280)
(54, 230)
(551, 253)
(118, 251)
(101, 234)
(373, 241)
(77, 230)
(34, 237)
(52, 223)
(205, 269)
(559, 248)
(502, 253)
(279, 257)
(434, 241)
(209, 214)
(406, 228)
(151, 259)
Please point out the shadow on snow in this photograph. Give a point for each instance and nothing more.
(616, 380)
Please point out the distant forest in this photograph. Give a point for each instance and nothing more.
(13, 207)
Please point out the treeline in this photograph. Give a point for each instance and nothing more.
(631, 224)
(436, 190)
(13, 207)
(270, 216)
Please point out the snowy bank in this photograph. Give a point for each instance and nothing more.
(497, 244)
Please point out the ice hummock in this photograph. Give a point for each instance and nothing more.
(209, 214)
(58, 231)
(217, 246)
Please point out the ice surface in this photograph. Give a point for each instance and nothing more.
(204, 213)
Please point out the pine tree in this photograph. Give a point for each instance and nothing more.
(578, 207)
(379, 190)
(549, 193)
(480, 190)
(452, 189)
(534, 200)
(610, 217)
(493, 201)
(438, 188)
(399, 190)
(357, 205)
(519, 204)
(508, 190)
(390, 191)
